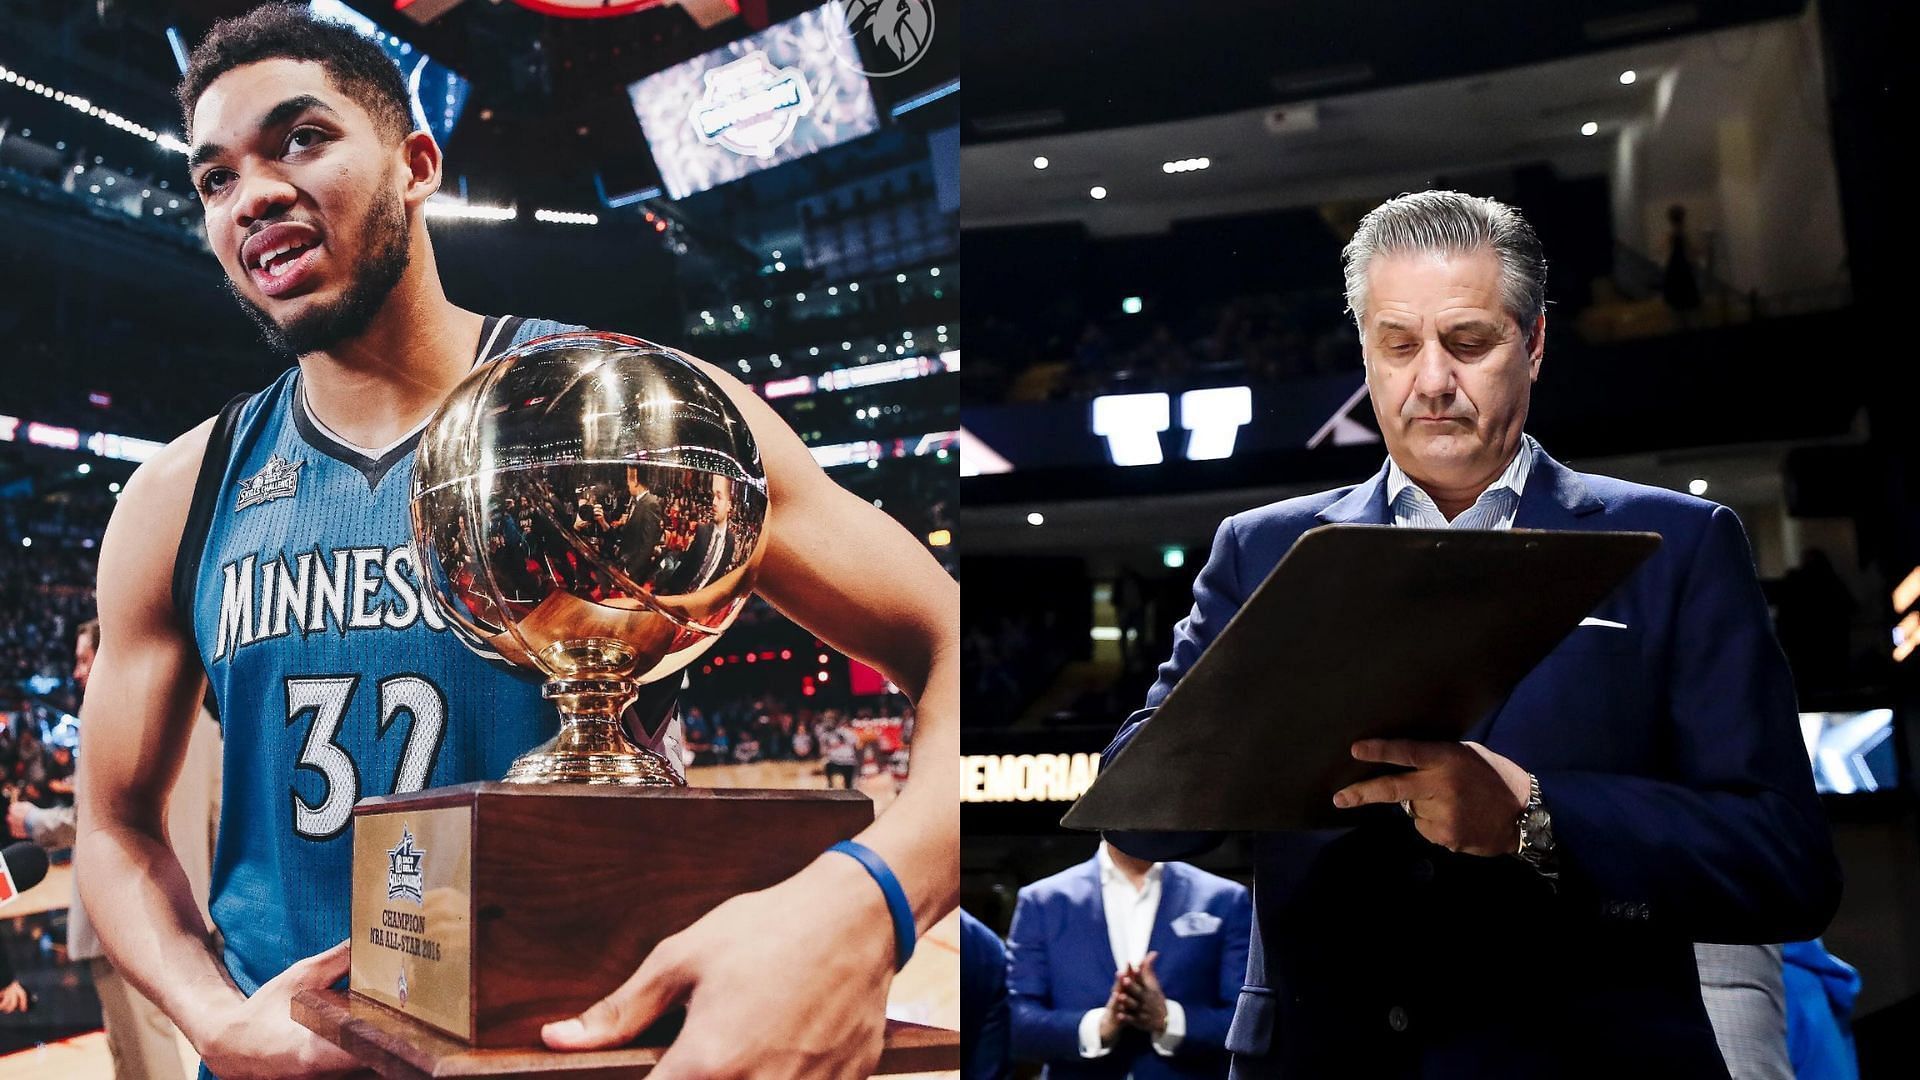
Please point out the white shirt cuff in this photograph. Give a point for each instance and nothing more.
(1168, 1041)
(1090, 1044)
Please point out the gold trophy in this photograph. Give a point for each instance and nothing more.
(645, 509)
(590, 508)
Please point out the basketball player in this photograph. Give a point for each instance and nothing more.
(268, 551)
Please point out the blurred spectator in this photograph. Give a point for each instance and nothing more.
(1814, 618)
(983, 1002)
(1680, 287)
(842, 754)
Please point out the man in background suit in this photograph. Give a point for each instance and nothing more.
(640, 527)
(1522, 903)
(1124, 967)
(983, 1002)
(711, 551)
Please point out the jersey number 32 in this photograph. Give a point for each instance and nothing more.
(327, 698)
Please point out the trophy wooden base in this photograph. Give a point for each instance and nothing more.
(398, 1048)
(484, 911)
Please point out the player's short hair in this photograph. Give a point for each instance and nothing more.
(90, 633)
(288, 31)
(1451, 223)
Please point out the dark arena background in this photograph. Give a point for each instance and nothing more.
(825, 274)
(1156, 200)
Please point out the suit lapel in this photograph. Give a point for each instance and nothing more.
(1366, 504)
(1173, 904)
(1102, 946)
(1556, 497)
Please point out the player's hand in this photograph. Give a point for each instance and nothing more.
(259, 1039)
(1465, 797)
(17, 814)
(1145, 1003)
(13, 998)
(788, 983)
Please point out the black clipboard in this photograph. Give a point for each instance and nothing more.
(1361, 631)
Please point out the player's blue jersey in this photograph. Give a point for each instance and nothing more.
(334, 676)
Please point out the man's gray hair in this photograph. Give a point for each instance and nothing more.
(1451, 223)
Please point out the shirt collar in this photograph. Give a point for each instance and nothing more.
(1111, 874)
(1513, 478)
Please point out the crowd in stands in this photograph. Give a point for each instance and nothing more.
(1006, 662)
(47, 592)
(35, 767)
(765, 728)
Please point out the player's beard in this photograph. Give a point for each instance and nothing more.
(388, 236)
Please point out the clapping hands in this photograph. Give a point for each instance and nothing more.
(1136, 1001)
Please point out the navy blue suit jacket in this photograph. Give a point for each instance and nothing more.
(983, 1002)
(1060, 964)
(1669, 756)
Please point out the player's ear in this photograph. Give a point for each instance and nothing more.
(421, 155)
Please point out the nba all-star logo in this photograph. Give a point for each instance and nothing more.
(278, 479)
(901, 31)
(751, 107)
(404, 876)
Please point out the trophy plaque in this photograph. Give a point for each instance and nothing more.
(588, 509)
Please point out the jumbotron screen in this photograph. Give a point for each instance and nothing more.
(786, 92)
(1853, 752)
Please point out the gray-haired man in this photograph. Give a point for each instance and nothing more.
(1521, 903)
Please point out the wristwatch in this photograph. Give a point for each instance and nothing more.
(1536, 831)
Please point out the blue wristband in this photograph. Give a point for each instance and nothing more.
(897, 905)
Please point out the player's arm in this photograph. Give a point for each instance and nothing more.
(142, 700)
(846, 571)
(852, 575)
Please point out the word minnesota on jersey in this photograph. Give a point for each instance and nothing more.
(345, 589)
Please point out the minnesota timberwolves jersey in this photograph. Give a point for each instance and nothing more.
(335, 677)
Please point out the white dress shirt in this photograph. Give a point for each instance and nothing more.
(1413, 508)
(1130, 915)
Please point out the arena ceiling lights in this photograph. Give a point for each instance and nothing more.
(1212, 417)
(80, 104)
(455, 210)
(436, 207)
(459, 211)
(566, 217)
(61, 437)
